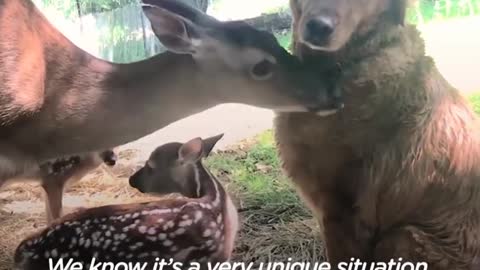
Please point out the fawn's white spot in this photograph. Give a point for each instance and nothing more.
(162, 236)
(167, 243)
(152, 231)
(107, 243)
(180, 231)
(198, 215)
(168, 225)
(207, 233)
(142, 229)
(152, 238)
(185, 223)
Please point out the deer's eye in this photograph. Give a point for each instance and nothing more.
(263, 70)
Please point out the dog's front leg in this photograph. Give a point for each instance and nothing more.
(345, 236)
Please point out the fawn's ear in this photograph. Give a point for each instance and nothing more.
(209, 143)
(398, 11)
(191, 151)
(176, 33)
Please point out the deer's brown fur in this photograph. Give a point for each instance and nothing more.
(395, 174)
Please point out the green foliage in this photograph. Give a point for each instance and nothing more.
(430, 10)
(475, 100)
(278, 9)
(70, 7)
(284, 39)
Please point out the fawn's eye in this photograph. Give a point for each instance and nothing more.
(262, 70)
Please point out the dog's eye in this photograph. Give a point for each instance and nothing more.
(262, 70)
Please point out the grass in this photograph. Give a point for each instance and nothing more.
(257, 177)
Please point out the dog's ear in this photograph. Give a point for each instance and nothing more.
(398, 10)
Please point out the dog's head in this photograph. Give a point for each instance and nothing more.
(327, 25)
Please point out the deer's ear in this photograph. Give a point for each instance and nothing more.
(209, 143)
(176, 33)
(191, 151)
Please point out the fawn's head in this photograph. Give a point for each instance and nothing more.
(244, 64)
(173, 168)
(327, 25)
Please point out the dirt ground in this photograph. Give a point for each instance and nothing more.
(22, 207)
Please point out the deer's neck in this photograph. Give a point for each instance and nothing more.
(102, 105)
(95, 105)
(208, 187)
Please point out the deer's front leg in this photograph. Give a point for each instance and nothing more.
(53, 188)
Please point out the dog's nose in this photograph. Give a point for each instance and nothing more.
(319, 30)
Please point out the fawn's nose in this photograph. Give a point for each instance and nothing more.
(318, 31)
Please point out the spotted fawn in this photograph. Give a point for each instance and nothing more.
(199, 226)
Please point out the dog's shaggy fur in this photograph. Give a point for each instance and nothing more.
(397, 172)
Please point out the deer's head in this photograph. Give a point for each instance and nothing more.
(234, 55)
(174, 168)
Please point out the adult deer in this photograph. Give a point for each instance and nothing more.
(56, 99)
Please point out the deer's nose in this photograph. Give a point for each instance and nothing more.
(132, 182)
(318, 31)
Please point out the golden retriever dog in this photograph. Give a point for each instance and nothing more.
(396, 173)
